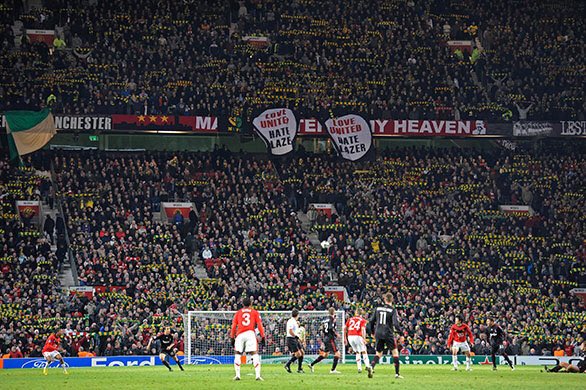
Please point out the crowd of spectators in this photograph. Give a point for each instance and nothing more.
(243, 230)
(426, 225)
(29, 265)
(422, 223)
(386, 59)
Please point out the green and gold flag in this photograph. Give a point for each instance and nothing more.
(29, 130)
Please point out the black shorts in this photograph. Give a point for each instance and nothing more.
(383, 344)
(330, 346)
(497, 348)
(293, 344)
(170, 352)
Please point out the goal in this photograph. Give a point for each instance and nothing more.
(207, 339)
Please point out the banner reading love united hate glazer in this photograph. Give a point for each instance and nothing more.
(351, 136)
(278, 128)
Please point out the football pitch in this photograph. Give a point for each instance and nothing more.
(220, 377)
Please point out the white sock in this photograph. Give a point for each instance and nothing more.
(455, 361)
(468, 362)
(256, 363)
(237, 361)
(366, 360)
(358, 361)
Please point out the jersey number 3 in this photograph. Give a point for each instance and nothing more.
(246, 319)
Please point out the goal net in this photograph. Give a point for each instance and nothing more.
(207, 336)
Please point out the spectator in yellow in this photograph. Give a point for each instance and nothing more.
(375, 246)
(475, 55)
(51, 100)
(58, 43)
(472, 29)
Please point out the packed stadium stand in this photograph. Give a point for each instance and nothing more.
(420, 222)
(423, 222)
(388, 59)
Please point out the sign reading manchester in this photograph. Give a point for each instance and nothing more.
(351, 135)
(277, 127)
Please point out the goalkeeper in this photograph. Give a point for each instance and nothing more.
(295, 337)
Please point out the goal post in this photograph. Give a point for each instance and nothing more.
(207, 336)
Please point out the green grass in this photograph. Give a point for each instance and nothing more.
(220, 377)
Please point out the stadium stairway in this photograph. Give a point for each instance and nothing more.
(314, 239)
(17, 32)
(200, 269)
(66, 275)
(306, 226)
(66, 278)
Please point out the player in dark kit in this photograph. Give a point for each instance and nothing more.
(329, 334)
(496, 337)
(567, 367)
(167, 348)
(383, 324)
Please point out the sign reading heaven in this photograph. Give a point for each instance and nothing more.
(351, 135)
(277, 127)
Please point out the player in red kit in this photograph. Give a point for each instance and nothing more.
(457, 342)
(355, 335)
(51, 351)
(243, 337)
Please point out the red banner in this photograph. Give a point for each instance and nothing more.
(165, 123)
(87, 291)
(339, 292)
(310, 127)
(103, 289)
(45, 36)
(327, 208)
(581, 293)
(29, 208)
(410, 128)
(428, 128)
(200, 123)
(171, 209)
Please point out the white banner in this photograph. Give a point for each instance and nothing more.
(277, 127)
(327, 208)
(573, 128)
(518, 209)
(532, 129)
(351, 136)
(81, 288)
(544, 360)
(88, 291)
